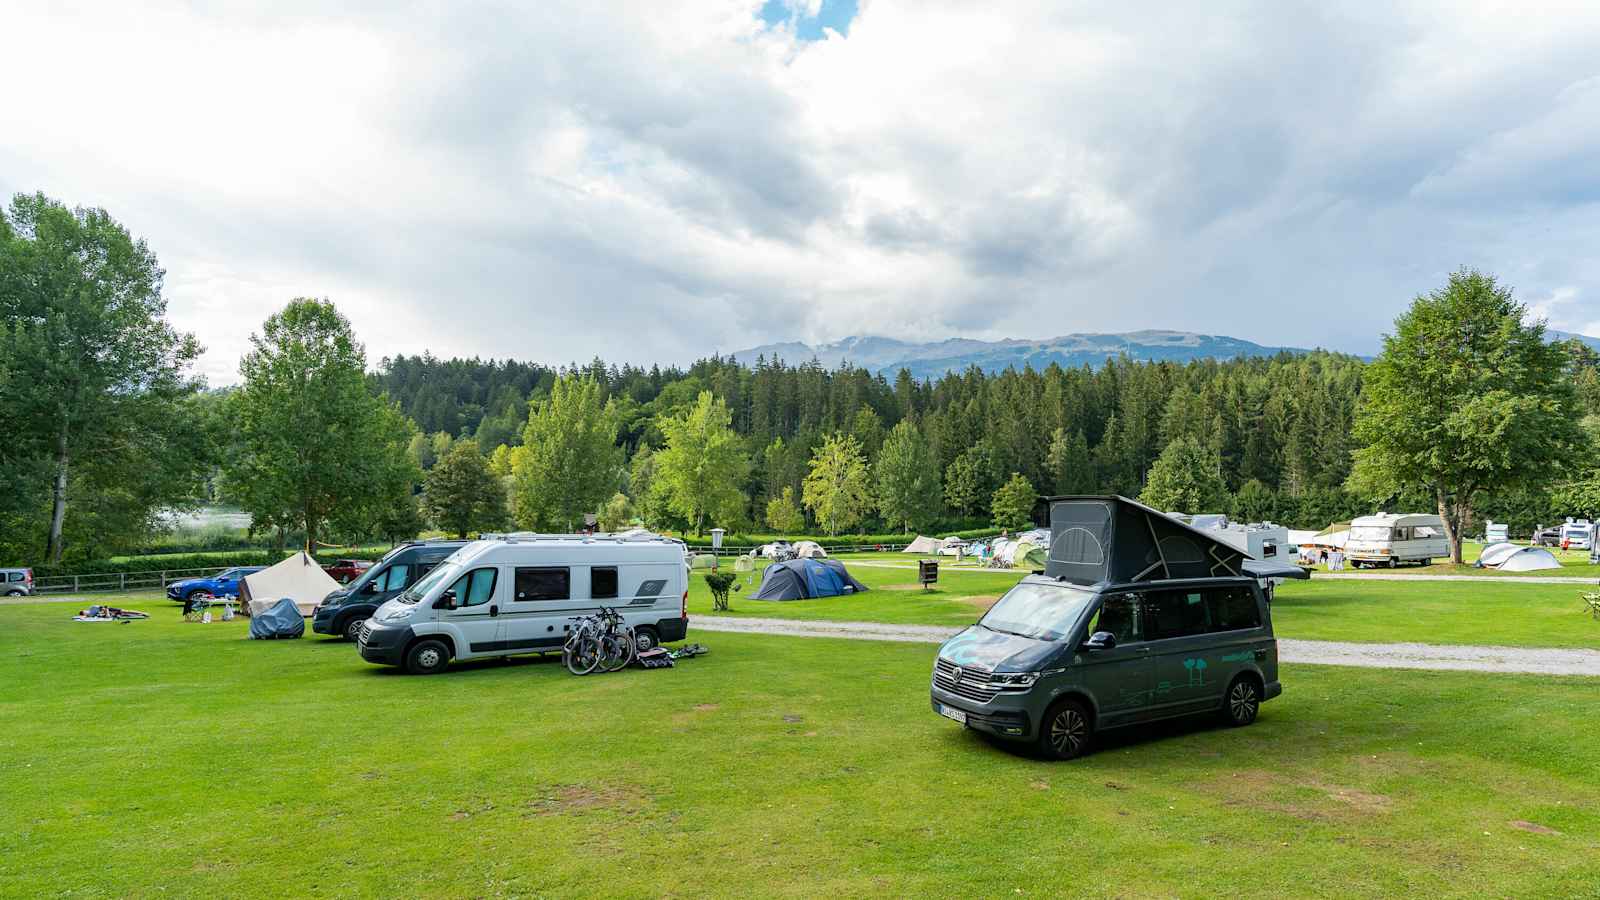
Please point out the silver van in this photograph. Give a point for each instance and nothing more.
(16, 582)
(1135, 618)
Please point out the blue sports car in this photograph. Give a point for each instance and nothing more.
(223, 584)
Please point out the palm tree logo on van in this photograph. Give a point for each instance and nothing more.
(1197, 671)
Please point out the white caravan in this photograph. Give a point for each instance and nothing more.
(1496, 533)
(1387, 539)
(518, 594)
(1577, 534)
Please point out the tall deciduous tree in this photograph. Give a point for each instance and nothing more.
(570, 462)
(1013, 503)
(462, 494)
(1464, 399)
(1186, 478)
(703, 464)
(101, 380)
(838, 489)
(907, 479)
(311, 444)
(784, 515)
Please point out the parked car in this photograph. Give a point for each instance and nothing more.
(342, 612)
(224, 584)
(1547, 537)
(1108, 638)
(345, 571)
(512, 596)
(16, 582)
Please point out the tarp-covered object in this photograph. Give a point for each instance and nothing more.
(924, 545)
(280, 620)
(1116, 540)
(806, 579)
(298, 578)
(1530, 559)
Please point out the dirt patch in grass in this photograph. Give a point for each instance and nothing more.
(705, 707)
(1534, 827)
(574, 799)
(983, 602)
(900, 587)
(1305, 799)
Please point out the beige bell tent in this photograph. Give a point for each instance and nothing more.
(297, 578)
(924, 545)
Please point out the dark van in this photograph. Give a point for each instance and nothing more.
(342, 612)
(1136, 617)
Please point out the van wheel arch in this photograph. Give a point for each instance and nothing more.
(449, 645)
(1253, 678)
(1085, 707)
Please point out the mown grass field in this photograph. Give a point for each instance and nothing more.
(179, 759)
(1434, 612)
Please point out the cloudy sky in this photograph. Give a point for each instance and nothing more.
(654, 182)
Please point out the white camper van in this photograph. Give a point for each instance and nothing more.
(1387, 539)
(1577, 534)
(517, 594)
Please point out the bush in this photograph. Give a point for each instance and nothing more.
(719, 582)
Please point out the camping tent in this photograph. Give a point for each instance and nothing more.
(703, 561)
(1334, 537)
(805, 579)
(924, 545)
(281, 620)
(1530, 559)
(1495, 554)
(1035, 558)
(809, 550)
(297, 578)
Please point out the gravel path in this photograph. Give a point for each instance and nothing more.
(1520, 660)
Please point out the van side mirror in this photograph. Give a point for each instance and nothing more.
(447, 600)
(371, 588)
(1100, 640)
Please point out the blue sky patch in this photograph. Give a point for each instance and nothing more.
(835, 14)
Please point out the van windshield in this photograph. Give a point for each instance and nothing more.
(420, 589)
(1044, 612)
(1370, 533)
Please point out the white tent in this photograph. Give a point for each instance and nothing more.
(923, 545)
(1530, 559)
(1495, 554)
(809, 550)
(297, 578)
(1302, 537)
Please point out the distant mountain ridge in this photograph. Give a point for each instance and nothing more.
(931, 360)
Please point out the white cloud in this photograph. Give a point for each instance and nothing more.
(561, 180)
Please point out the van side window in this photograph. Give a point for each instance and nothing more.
(1118, 614)
(603, 582)
(1171, 614)
(1234, 608)
(13, 576)
(394, 579)
(550, 583)
(474, 588)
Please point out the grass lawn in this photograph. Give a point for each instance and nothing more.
(163, 757)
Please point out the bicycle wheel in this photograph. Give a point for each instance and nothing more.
(616, 651)
(581, 654)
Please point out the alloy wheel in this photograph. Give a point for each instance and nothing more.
(1243, 703)
(1068, 731)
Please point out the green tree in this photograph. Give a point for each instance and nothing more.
(1186, 478)
(571, 462)
(784, 515)
(703, 464)
(420, 447)
(1013, 503)
(617, 513)
(1071, 468)
(838, 489)
(907, 479)
(1464, 399)
(1255, 502)
(390, 507)
(100, 401)
(969, 481)
(462, 494)
(310, 440)
(500, 461)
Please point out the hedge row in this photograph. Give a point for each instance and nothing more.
(182, 561)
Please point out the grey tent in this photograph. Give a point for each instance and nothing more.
(281, 620)
(806, 579)
(1530, 559)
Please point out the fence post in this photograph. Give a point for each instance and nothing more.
(74, 584)
(124, 584)
(163, 579)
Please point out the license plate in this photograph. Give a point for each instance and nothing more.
(954, 715)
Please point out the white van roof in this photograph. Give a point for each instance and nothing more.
(1399, 520)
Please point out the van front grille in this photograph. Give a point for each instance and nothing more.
(973, 685)
(366, 632)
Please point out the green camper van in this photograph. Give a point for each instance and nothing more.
(1137, 617)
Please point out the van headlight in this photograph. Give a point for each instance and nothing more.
(1013, 680)
(395, 615)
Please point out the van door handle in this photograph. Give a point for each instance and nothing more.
(494, 610)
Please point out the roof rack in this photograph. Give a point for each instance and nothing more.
(620, 537)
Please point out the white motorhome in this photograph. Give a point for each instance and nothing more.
(518, 594)
(1260, 540)
(1496, 532)
(1387, 539)
(1577, 534)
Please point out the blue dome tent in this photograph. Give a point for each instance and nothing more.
(806, 579)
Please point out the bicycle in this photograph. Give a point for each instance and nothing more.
(617, 642)
(581, 653)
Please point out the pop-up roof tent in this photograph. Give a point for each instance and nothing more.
(297, 578)
(923, 545)
(805, 579)
(1114, 540)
